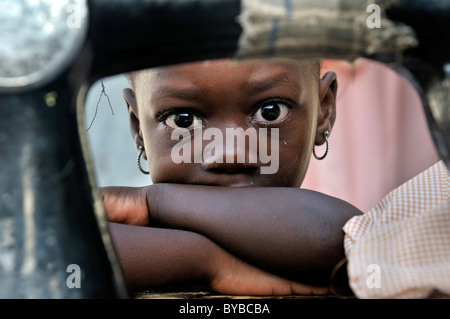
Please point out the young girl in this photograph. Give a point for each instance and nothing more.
(219, 220)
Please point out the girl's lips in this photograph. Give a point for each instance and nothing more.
(226, 180)
(241, 185)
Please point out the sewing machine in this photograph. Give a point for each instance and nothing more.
(51, 216)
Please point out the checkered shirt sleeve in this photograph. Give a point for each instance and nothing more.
(401, 248)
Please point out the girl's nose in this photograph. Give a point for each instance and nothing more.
(235, 151)
(218, 165)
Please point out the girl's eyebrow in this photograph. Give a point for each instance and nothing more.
(252, 86)
(165, 92)
(263, 84)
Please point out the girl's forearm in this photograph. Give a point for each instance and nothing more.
(291, 232)
(152, 257)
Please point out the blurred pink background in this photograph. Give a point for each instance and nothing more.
(380, 138)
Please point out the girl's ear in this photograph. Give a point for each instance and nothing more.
(133, 113)
(327, 107)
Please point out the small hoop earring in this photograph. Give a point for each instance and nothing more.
(141, 150)
(325, 135)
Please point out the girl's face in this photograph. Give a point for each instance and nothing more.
(217, 97)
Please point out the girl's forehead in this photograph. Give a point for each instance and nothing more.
(224, 72)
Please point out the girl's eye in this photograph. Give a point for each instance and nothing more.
(183, 120)
(271, 112)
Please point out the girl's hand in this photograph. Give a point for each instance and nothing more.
(126, 205)
(230, 275)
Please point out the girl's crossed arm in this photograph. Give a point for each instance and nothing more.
(290, 232)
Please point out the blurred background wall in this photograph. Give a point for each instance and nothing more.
(112, 146)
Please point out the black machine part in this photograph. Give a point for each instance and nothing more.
(51, 214)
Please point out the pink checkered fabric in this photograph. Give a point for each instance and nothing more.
(401, 248)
